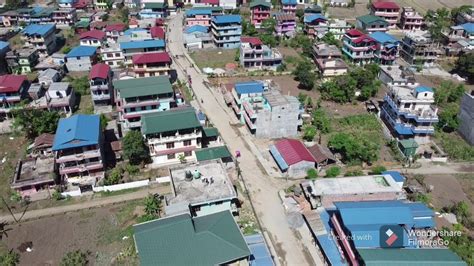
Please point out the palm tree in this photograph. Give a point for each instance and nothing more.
(3, 230)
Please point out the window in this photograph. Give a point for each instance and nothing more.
(170, 145)
(407, 105)
(187, 143)
(117, 54)
(110, 55)
(188, 153)
(171, 156)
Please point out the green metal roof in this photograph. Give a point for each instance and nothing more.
(143, 86)
(417, 256)
(409, 143)
(369, 19)
(212, 239)
(170, 120)
(211, 132)
(155, 5)
(260, 3)
(212, 8)
(213, 153)
(82, 24)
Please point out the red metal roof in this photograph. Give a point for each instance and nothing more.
(354, 33)
(81, 4)
(385, 5)
(159, 22)
(293, 151)
(364, 38)
(157, 32)
(251, 40)
(160, 57)
(99, 71)
(11, 83)
(93, 34)
(212, 2)
(115, 27)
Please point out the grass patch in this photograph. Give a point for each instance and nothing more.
(455, 146)
(215, 58)
(108, 193)
(85, 105)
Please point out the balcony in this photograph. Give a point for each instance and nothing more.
(227, 33)
(101, 87)
(175, 138)
(249, 110)
(234, 39)
(80, 168)
(229, 27)
(151, 68)
(100, 97)
(249, 122)
(79, 156)
(355, 48)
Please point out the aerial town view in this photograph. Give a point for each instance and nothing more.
(236, 132)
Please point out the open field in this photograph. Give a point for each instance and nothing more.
(12, 148)
(214, 58)
(104, 232)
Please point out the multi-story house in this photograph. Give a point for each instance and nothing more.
(339, 3)
(81, 58)
(61, 97)
(312, 9)
(387, 10)
(154, 10)
(4, 49)
(64, 17)
(410, 19)
(228, 4)
(466, 117)
(418, 48)
(460, 32)
(289, 6)
(9, 18)
(397, 76)
(244, 90)
(152, 64)
(371, 23)
(67, 3)
(285, 24)
(409, 112)
(358, 47)
(197, 37)
(22, 61)
(78, 150)
(328, 58)
(260, 11)
(210, 3)
(200, 16)
(40, 37)
(41, 15)
(172, 135)
(254, 55)
(13, 89)
(92, 38)
(131, 48)
(387, 48)
(112, 55)
(157, 32)
(135, 97)
(315, 25)
(113, 31)
(101, 4)
(226, 30)
(48, 76)
(100, 80)
(338, 28)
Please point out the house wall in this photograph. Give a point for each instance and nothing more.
(327, 201)
(466, 116)
(159, 145)
(280, 122)
(91, 42)
(299, 170)
(212, 207)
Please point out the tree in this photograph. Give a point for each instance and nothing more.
(104, 120)
(321, 121)
(13, 4)
(378, 169)
(182, 158)
(80, 85)
(248, 29)
(57, 195)
(75, 258)
(268, 25)
(354, 149)
(300, 14)
(309, 132)
(152, 206)
(341, 89)
(448, 118)
(134, 148)
(123, 13)
(465, 66)
(330, 39)
(304, 75)
(269, 39)
(333, 171)
(34, 122)
(311, 174)
(448, 92)
(461, 210)
(114, 177)
(11, 258)
(438, 21)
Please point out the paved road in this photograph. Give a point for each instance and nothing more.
(263, 189)
(94, 203)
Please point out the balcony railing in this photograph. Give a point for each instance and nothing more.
(79, 156)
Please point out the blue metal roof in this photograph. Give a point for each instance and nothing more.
(227, 19)
(38, 29)
(395, 175)
(468, 27)
(248, 87)
(260, 253)
(77, 131)
(423, 89)
(289, 2)
(66, 1)
(194, 12)
(142, 44)
(382, 37)
(312, 17)
(4, 45)
(131, 31)
(326, 242)
(374, 212)
(80, 51)
(401, 130)
(278, 158)
(196, 28)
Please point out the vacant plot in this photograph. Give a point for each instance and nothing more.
(214, 58)
(455, 146)
(12, 148)
(104, 232)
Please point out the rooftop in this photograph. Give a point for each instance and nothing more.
(213, 239)
(77, 131)
(212, 153)
(248, 87)
(159, 57)
(312, 17)
(4, 45)
(252, 40)
(194, 12)
(171, 120)
(285, 17)
(255, 3)
(99, 70)
(116, 27)
(93, 34)
(48, 73)
(137, 87)
(11, 83)
(323, 49)
(369, 19)
(39, 29)
(157, 32)
(385, 5)
(82, 51)
(418, 256)
(224, 19)
(196, 28)
(195, 191)
(293, 151)
(142, 44)
(353, 185)
(382, 37)
(34, 171)
(275, 98)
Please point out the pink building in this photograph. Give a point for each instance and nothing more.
(289, 6)
(260, 11)
(198, 17)
(387, 10)
(285, 24)
(410, 19)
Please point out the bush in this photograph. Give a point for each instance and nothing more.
(57, 195)
(357, 172)
(377, 170)
(114, 177)
(10, 258)
(75, 258)
(311, 174)
(309, 132)
(132, 169)
(333, 171)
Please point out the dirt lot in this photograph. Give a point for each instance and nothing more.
(99, 231)
(214, 58)
(11, 149)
